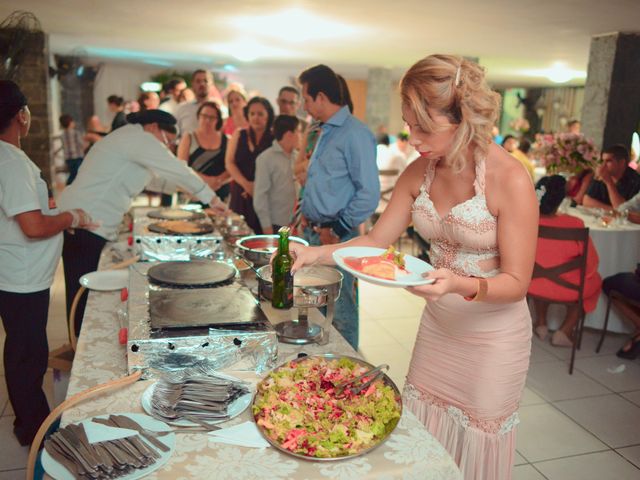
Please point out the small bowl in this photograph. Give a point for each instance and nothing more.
(259, 248)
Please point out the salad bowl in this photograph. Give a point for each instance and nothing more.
(337, 432)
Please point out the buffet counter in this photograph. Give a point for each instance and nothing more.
(410, 451)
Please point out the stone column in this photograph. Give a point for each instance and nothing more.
(378, 98)
(33, 78)
(611, 110)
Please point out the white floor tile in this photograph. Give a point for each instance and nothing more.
(526, 472)
(551, 380)
(403, 330)
(4, 396)
(395, 356)
(13, 475)
(529, 397)
(372, 334)
(632, 396)
(595, 466)
(590, 339)
(519, 460)
(611, 418)
(539, 355)
(631, 453)
(545, 433)
(12, 455)
(598, 369)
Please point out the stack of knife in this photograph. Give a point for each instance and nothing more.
(70, 447)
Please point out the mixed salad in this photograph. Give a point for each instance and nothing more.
(298, 407)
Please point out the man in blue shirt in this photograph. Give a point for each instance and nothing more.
(342, 188)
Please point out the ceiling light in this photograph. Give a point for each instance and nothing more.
(557, 73)
(294, 24)
(150, 86)
(247, 50)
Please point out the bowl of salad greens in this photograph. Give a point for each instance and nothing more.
(299, 410)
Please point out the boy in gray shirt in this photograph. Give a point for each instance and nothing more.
(274, 191)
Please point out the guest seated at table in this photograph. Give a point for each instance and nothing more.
(616, 182)
(627, 284)
(511, 144)
(578, 185)
(556, 252)
(114, 172)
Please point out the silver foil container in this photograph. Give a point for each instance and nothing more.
(251, 349)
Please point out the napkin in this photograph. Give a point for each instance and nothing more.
(96, 432)
(244, 435)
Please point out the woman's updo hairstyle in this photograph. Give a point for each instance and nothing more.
(456, 88)
(554, 188)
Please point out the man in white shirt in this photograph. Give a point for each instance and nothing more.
(187, 113)
(274, 191)
(114, 171)
(174, 88)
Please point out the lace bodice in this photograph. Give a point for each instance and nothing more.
(465, 240)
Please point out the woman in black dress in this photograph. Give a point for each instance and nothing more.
(204, 149)
(243, 149)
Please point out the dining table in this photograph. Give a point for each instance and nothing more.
(617, 242)
(409, 452)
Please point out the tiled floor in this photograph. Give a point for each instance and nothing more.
(584, 426)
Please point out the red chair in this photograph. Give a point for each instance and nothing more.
(580, 235)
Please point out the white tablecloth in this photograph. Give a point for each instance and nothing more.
(410, 452)
(618, 248)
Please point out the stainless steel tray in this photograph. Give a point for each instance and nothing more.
(329, 356)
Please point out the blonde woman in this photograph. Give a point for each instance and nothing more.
(476, 205)
(236, 101)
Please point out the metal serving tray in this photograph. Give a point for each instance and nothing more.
(158, 246)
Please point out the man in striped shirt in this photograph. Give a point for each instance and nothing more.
(72, 144)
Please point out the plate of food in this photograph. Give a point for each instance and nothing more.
(175, 214)
(299, 410)
(388, 268)
(181, 227)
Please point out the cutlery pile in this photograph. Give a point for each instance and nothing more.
(70, 447)
(196, 398)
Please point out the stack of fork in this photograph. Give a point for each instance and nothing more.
(197, 398)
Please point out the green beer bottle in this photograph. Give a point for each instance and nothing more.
(282, 293)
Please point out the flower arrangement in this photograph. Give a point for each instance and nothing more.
(520, 125)
(566, 152)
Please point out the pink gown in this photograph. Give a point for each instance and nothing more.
(470, 359)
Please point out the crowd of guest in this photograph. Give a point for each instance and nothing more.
(311, 164)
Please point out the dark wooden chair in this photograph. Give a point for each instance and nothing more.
(626, 306)
(552, 274)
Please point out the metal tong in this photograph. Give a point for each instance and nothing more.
(372, 376)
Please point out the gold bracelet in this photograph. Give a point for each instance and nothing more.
(481, 293)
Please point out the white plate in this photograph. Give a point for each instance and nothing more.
(59, 472)
(414, 266)
(106, 280)
(238, 406)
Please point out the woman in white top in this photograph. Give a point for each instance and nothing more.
(30, 245)
(114, 172)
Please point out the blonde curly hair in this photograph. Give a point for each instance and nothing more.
(456, 88)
